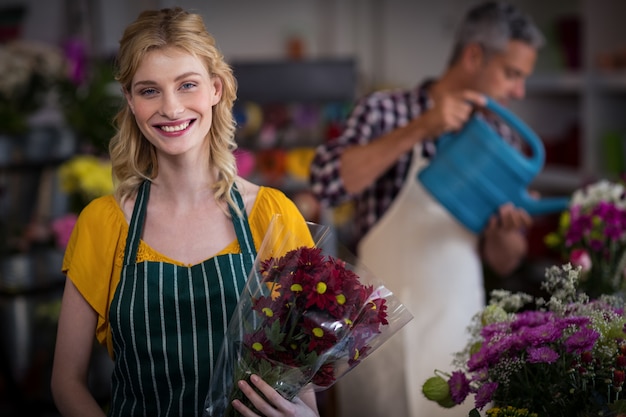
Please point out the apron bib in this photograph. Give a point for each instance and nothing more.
(168, 323)
(431, 262)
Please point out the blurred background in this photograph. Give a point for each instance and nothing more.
(299, 64)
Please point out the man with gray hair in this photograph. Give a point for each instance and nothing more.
(407, 238)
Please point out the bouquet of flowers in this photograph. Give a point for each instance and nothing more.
(305, 317)
(592, 235)
(560, 356)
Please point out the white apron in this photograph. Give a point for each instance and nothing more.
(431, 262)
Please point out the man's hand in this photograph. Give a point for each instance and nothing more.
(504, 243)
(450, 112)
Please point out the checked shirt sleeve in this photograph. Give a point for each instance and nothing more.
(325, 179)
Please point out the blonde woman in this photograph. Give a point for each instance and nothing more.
(155, 270)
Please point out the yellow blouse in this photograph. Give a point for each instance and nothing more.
(95, 253)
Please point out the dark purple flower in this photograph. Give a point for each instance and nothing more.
(580, 226)
(478, 359)
(578, 321)
(542, 355)
(490, 353)
(484, 394)
(508, 344)
(480, 375)
(531, 319)
(493, 329)
(459, 387)
(545, 333)
(596, 245)
(581, 340)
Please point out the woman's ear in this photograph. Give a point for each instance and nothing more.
(218, 88)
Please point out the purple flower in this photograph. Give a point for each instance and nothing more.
(478, 359)
(493, 329)
(480, 375)
(484, 394)
(613, 232)
(531, 319)
(542, 355)
(578, 321)
(507, 344)
(491, 352)
(546, 333)
(579, 228)
(459, 387)
(612, 218)
(596, 245)
(581, 340)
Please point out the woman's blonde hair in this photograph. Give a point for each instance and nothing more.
(132, 156)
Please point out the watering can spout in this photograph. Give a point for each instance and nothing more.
(546, 205)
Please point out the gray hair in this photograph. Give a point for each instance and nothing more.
(492, 25)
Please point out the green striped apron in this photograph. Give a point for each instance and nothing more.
(168, 323)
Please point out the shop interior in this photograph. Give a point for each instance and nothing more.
(300, 65)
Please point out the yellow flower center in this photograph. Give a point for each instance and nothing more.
(296, 288)
(317, 332)
(321, 287)
(268, 312)
(341, 299)
(257, 346)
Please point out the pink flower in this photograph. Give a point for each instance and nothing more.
(580, 257)
(62, 228)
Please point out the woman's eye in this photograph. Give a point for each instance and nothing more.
(148, 92)
(187, 86)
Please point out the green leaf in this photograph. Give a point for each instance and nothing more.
(474, 413)
(274, 334)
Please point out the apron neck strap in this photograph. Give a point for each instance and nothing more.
(136, 223)
(242, 227)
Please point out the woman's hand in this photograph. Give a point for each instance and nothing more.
(275, 406)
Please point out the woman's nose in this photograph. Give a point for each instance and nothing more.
(171, 106)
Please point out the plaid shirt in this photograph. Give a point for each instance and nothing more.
(373, 116)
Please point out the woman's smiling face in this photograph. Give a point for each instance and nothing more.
(172, 97)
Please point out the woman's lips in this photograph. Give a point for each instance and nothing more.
(172, 128)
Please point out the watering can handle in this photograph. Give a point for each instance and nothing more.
(530, 137)
(526, 133)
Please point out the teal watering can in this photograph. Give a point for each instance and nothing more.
(475, 171)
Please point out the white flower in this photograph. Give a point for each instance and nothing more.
(22, 61)
(602, 190)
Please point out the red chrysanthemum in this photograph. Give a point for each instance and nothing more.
(315, 305)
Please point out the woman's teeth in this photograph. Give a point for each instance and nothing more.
(175, 128)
